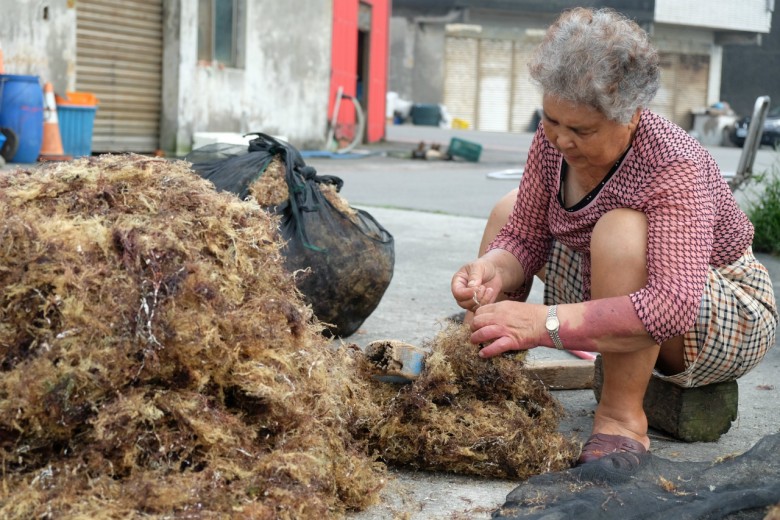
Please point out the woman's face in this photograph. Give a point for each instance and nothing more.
(585, 137)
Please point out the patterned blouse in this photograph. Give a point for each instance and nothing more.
(693, 219)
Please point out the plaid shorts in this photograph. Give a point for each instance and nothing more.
(736, 324)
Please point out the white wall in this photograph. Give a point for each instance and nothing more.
(742, 15)
(282, 89)
(39, 39)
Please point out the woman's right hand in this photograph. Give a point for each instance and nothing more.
(477, 283)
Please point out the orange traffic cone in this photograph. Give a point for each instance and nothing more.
(51, 149)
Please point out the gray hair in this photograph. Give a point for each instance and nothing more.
(598, 58)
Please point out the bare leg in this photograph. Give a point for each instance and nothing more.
(619, 267)
(498, 217)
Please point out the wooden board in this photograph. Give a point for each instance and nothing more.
(563, 374)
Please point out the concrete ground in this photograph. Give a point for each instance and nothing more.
(436, 211)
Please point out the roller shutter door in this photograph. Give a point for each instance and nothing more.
(663, 103)
(692, 76)
(486, 83)
(683, 86)
(460, 83)
(526, 98)
(119, 48)
(495, 85)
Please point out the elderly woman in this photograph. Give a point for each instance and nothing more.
(643, 250)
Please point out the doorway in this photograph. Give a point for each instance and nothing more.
(363, 59)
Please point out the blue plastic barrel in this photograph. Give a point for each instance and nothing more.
(21, 109)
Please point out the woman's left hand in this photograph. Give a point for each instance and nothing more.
(506, 326)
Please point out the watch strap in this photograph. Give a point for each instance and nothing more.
(552, 312)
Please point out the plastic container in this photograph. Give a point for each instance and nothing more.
(426, 115)
(465, 149)
(77, 98)
(21, 110)
(76, 125)
(459, 124)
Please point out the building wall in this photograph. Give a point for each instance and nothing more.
(428, 82)
(401, 66)
(39, 39)
(281, 90)
(487, 84)
(692, 73)
(745, 15)
(417, 49)
(693, 59)
(750, 71)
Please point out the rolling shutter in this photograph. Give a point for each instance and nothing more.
(692, 76)
(663, 103)
(486, 83)
(495, 85)
(460, 84)
(526, 98)
(119, 48)
(683, 86)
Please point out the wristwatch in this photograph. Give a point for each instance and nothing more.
(552, 324)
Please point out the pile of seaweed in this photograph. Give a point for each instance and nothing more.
(472, 416)
(157, 359)
(271, 190)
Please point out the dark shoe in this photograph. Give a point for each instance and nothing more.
(614, 468)
(601, 444)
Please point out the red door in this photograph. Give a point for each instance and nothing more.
(359, 65)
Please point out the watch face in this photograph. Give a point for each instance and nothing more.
(551, 323)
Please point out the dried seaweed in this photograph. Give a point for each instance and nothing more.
(472, 416)
(157, 358)
(270, 190)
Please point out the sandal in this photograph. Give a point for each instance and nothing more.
(601, 444)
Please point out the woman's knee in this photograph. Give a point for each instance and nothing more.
(619, 253)
(621, 234)
(498, 217)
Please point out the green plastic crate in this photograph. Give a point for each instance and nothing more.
(465, 149)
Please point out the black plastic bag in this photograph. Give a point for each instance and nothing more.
(349, 258)
(617, 488)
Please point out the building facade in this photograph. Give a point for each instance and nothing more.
(164, 70)
(471, 55)
(751, 68)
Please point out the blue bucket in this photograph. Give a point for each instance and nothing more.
(76, 124)
(21, 110)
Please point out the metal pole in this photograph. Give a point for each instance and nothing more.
(752, 143)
